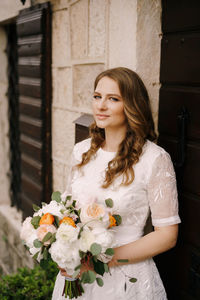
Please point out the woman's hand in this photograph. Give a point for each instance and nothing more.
(86, 266)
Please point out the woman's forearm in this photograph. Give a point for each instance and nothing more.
(158, 241)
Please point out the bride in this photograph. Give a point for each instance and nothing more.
(121, 161)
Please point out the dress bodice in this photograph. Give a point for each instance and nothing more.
(153, 189)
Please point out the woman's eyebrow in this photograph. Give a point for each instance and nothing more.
(110, 94)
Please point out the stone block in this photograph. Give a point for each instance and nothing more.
(62, 88)
(63, 134)
(122, 33)
(10, 8)
(60, 4)
(58, 176)
(83, 79)
(79, 29)
(61, 41)
(97, 28)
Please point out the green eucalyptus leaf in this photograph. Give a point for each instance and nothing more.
(56, 196)
(95, 249)
(47, 237)
(133, 280)
(118, 219)
(35, 207)
(35, 221)
(109, 251)
(92, 276)
(68, 198)
(56, 221)
(80, 231)
(109, 202)
(37, 243)
(78, 267)
(106, 268)
(35, 256)
(53, 238)
(99, 281)
(45, 253)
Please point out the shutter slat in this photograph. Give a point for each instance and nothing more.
(31, 189)
(31, 168)
(31, 147)
(30, 107)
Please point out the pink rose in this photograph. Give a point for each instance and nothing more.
(43, 230)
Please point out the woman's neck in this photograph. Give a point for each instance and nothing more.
(113, 139)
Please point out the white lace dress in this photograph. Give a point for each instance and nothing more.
(152, 191)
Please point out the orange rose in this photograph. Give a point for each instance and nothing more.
(112, 221)
(68, 220)
(47, 219)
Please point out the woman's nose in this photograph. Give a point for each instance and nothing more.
(102, 103)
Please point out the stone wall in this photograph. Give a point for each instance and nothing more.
(88, 37)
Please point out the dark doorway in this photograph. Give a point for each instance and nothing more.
(179, 128)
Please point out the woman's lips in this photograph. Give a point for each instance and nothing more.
(101, 116)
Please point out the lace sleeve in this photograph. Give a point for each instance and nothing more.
(162, 192)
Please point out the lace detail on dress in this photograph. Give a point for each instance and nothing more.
(162, 192)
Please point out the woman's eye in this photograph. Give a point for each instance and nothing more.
(114, 99)
(97, 97)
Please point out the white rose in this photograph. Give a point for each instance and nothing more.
(67, 233)
(95, 215)
(66, 257)
(54, 208)
(86, 240)
(27, 229)
(103, 237)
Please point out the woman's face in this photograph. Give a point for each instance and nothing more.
(108, 105)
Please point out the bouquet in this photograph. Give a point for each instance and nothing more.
(73, 236)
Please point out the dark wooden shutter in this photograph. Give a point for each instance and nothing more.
(179, 128)
(34, 70)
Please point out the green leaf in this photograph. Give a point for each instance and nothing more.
(76, 273)
(45, 253)
(68, 198)
(118, 219)
(92, 276)
(98, 266)
(81, 254)
(133, 280)
(35, 221)
(53, 238)
(122, 260)
(106, 268)
(47, 237)
(56, 196)
(37, 243)
(78, 267)
(56, 221)
(109, 251)
(35, 256)
(80, 231)
(99, 281)
(95, 249)
(109, 202)
(35, 207)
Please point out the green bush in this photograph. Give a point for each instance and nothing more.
(28, 284)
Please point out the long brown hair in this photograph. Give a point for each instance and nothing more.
(140, 126)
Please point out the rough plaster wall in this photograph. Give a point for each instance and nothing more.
(148, 48)
(11, 8)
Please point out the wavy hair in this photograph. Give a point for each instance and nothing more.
(140, 126)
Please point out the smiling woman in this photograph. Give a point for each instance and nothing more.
(121, 162)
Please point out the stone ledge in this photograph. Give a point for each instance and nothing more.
(13, 254)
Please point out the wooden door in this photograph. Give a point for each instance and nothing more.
(179, 128)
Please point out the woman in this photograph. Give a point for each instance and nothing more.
(121, 162)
